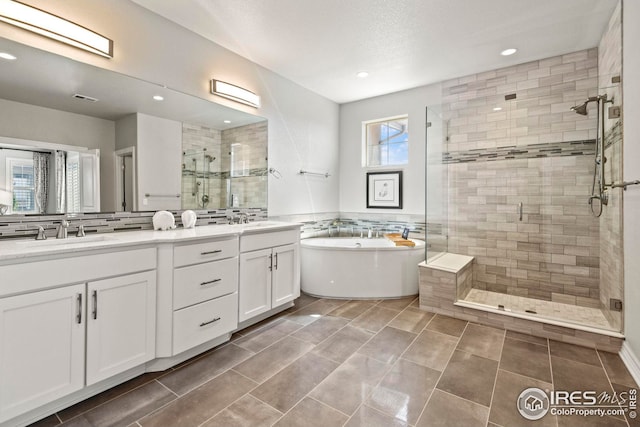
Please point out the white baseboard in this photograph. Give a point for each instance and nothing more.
(631, 361)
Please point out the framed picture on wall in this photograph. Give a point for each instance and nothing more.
(384, 190)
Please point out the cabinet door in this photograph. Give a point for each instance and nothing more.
(286, 274)
(255, 284)
(121, 314)
(41, 348)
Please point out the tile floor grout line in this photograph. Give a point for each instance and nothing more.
(495, 380)
(171, 391)
(611, 384)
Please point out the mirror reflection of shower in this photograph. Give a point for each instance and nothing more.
(197, 166)
(598, 198)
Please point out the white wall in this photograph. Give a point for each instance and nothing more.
(303, 126)
(353, 176)
(34, 123)
(631, 159)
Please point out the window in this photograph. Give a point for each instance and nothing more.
(386, 142)
(21, 184)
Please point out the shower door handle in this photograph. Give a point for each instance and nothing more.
(520, 211)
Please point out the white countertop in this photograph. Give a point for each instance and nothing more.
(16, 249)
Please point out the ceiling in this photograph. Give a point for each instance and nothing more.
(322, 44)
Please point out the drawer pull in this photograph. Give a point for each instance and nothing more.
(210, 282)
(217, 251)
(79, 309)
(209, 322)
(94, 312)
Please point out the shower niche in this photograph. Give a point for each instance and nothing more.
(224, 168)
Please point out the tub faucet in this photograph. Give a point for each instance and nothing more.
(62, 229)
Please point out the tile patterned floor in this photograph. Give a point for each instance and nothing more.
(549, 309)
(358, 363)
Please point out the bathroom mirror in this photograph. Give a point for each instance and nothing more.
(39, 79)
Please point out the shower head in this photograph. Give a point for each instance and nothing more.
(580, 109)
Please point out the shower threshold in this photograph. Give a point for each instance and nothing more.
(554, 313)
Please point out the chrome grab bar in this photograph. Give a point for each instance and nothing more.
(304, 172)
(161, 195)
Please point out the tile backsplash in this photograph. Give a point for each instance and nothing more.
(25, 226)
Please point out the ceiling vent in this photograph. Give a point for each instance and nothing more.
(85, 98)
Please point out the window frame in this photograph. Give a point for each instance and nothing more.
(364, 144)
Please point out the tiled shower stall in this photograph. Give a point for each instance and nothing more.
(511, 170)
(225, 168)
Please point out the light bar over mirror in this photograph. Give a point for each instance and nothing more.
(54, 27)
(235, 93)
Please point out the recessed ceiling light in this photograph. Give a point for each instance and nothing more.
(227, 121)
(8, 56)
(497, 108)
(362, 74)
(158, 98)
(509, 51)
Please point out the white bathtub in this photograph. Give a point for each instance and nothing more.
(359, 268)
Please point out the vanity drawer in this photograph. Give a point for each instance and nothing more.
(256, 241)
(202, 282)
(202, 252)
(203, 322)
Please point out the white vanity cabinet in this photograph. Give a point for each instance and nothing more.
(121, 316)
(42, 343)
(205, 292)
(269, 271)
(67, 328)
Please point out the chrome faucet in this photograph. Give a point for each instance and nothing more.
(80, 231)
(243, 218)
(41, 235)
(62, 229)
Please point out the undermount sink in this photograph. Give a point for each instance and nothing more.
(68, 241)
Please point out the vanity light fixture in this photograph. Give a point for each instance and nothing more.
(235, 93)
(497, 108)
(508, 52)
(6, 201)
(54, 27)
(8, 56)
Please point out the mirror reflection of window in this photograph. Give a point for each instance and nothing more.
(46, 181)
(21, 184)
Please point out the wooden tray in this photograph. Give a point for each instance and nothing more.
(398, 240)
